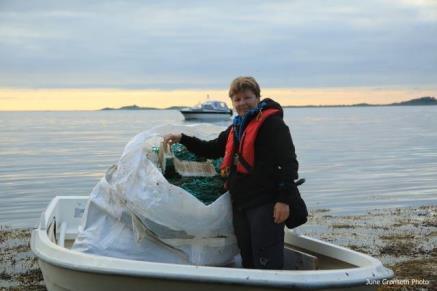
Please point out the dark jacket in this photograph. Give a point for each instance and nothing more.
(275, 169)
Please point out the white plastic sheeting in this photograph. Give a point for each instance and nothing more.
(134, 213)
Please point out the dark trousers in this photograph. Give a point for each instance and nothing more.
(261, 241)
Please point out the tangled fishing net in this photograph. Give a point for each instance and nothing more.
(204, 186)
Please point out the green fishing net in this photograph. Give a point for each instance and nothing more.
(206, 189)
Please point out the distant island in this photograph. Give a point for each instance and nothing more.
(130, 107)
(136, 107)
(428, 100)
(418, 101)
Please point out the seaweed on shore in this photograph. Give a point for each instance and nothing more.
(19, 269)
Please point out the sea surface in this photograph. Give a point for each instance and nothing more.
(353, 159)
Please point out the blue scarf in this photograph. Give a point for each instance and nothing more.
(240, 122)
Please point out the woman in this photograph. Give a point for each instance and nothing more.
(260, 165)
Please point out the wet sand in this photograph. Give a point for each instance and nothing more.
(404, 239)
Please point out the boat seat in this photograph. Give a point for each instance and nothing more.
(62, 232)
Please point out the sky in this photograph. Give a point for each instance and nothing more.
(86, 55)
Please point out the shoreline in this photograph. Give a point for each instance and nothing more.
(404, 239)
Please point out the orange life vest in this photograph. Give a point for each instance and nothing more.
(245, 158)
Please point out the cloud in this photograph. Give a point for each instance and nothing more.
(426, 10)
(148, 44)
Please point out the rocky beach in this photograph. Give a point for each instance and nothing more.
(404, 239)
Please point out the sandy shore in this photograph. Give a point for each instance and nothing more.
(404, 239)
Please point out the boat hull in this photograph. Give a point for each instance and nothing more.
(61, 279)
(208, 116)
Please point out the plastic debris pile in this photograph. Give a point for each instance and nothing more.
(135, 213)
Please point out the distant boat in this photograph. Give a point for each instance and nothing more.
(309, 263)
(208, 111)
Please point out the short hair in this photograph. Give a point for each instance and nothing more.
(244, 83)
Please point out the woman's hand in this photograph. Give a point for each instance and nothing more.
(172, 138)
(281, 211)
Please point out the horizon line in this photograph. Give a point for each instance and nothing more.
(95, 99)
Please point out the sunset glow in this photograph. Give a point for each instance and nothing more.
(94, 99)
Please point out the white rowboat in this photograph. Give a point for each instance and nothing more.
(337, 268)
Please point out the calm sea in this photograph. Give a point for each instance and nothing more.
(354, 159)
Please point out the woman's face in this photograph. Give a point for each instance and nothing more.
(244, 101)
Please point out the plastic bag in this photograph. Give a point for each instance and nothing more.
(135, 213)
